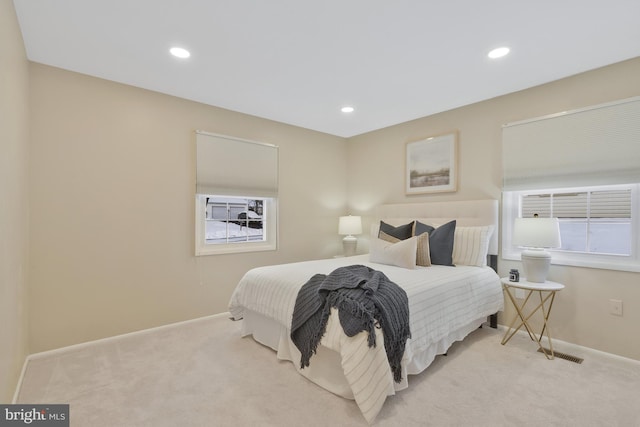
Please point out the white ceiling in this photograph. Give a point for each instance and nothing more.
(298, 62)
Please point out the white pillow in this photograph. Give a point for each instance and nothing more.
(471, 245)
(401, 254)
(423, 254)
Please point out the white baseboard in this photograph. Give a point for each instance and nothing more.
(568, 346)
(20, 378)
(79, 346)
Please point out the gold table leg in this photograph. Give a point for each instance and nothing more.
(524, 320)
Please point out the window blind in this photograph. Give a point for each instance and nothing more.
(235, 167)
(599, 145)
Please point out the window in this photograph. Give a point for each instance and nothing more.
(231, 219)
(234, 224)
(598, 225)
(236, 195)
(582, 167)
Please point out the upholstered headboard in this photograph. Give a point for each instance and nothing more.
(467, 213)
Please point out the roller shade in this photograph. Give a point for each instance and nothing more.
(235, 167)
(598, 145)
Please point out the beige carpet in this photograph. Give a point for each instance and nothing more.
(202, 373)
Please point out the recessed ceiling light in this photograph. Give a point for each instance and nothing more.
(179, 52)
(347, 109)
(498, 52)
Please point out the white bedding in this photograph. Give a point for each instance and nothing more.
(445, 304)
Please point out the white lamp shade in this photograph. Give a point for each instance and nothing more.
(536, 232)
(349, 225)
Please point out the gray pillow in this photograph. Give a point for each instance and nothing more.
(402, 232)
(440, 241)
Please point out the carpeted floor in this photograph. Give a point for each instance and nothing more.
(201, 373)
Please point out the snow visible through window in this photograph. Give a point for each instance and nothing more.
(231, 219)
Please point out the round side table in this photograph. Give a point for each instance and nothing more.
(547, 293)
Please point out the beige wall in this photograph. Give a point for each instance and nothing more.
(14, 89)
(376, 175)
(112, 194)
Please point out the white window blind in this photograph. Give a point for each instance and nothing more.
(598, 145)
(235, 167)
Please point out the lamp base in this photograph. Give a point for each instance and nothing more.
(536, 264)
(349, 244)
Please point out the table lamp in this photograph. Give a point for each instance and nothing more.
(348, 226)
(536, 234)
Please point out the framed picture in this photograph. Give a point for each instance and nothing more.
(431, 164)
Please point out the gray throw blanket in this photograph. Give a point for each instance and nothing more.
(365, 299)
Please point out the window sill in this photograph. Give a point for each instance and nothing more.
(598, 262)
(235, 248)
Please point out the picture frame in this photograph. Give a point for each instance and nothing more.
(432, 164)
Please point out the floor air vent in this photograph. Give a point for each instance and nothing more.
(564, 356)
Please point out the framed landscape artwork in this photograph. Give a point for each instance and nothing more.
(431, 164)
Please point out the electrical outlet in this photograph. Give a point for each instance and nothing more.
(615, 307)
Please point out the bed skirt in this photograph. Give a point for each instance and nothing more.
(325, 369)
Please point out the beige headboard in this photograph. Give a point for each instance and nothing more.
(467, 213)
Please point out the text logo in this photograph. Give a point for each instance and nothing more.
(34, 415)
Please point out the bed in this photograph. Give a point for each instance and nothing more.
(446, 302)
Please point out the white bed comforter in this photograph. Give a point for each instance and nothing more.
(442, 300)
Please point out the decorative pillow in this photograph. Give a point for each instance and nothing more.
(471, 245)
(387, 238)
(421, 228)
(401, 232)
(423, 257)
(401, 254)
(440, 241)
